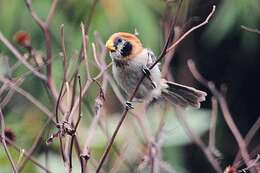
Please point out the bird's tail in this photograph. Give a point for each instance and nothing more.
(182, 95)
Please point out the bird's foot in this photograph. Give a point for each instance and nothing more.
(129, 105)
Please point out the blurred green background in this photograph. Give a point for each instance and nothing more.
(223, 51)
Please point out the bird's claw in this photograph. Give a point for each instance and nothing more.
(129, 105)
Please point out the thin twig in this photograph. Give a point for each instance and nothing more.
(28, 96)
(52, 11)
(95, 55)
(90, 16)
(120, 159)
(86, 87)
(3, 140)
(172, 32)
(192, 29)
(18, 149)
(64, 54)
(10, 93)
(47, 39)
(80, 102)
(87, 22)
(249, 136)
(73, 138)
(36, 143)
(120, 97)
(190, 132)
(21, 58)
(225, 110)
(212, 130)
(84, 42)
(98, 108)
(257, 31)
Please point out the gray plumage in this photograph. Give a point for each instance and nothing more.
(128, 72)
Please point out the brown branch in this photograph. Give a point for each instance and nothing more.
(3, 141)
(27, 96)
(225, 110)
(85, 88)
(64, 54)
(91, 13)
(169, 56)
(18, 149)
(120, 159)
(80, 102)
(21, 58)
(84, 43)
(10, 93)
(172, 31)
(249, 136)
(36, 144)
(98, 110)
(95, 56)
(98, 102)
(105, 154)
(73, 138)
(191, 30)
(212, 130)
(181, 117)
(88, 22)
(52, 11)
(146, 133)
(47, 39)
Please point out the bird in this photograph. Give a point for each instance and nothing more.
(130, 61)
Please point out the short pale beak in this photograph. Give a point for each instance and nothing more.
(110, 45)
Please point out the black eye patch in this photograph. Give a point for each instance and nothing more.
(126, 49)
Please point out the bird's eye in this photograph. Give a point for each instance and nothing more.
(118, 40)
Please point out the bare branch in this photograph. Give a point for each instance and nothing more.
(64, 54)
(21, 58)
(250, 29)
(212, 130)
(84, 41)
(52, 11)
(192, 29)
(225, 110)
(249, 136)
(36, 144)
(28, 96)
(25, 153)
(44, 27)
(3, 140)
(181, 117)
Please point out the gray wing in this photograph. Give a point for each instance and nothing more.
(151, 58)
(148, 82)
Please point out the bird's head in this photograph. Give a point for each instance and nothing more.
(123, 45)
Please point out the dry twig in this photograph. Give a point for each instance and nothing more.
(225, 110)
(3, 141)
(250, 29)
